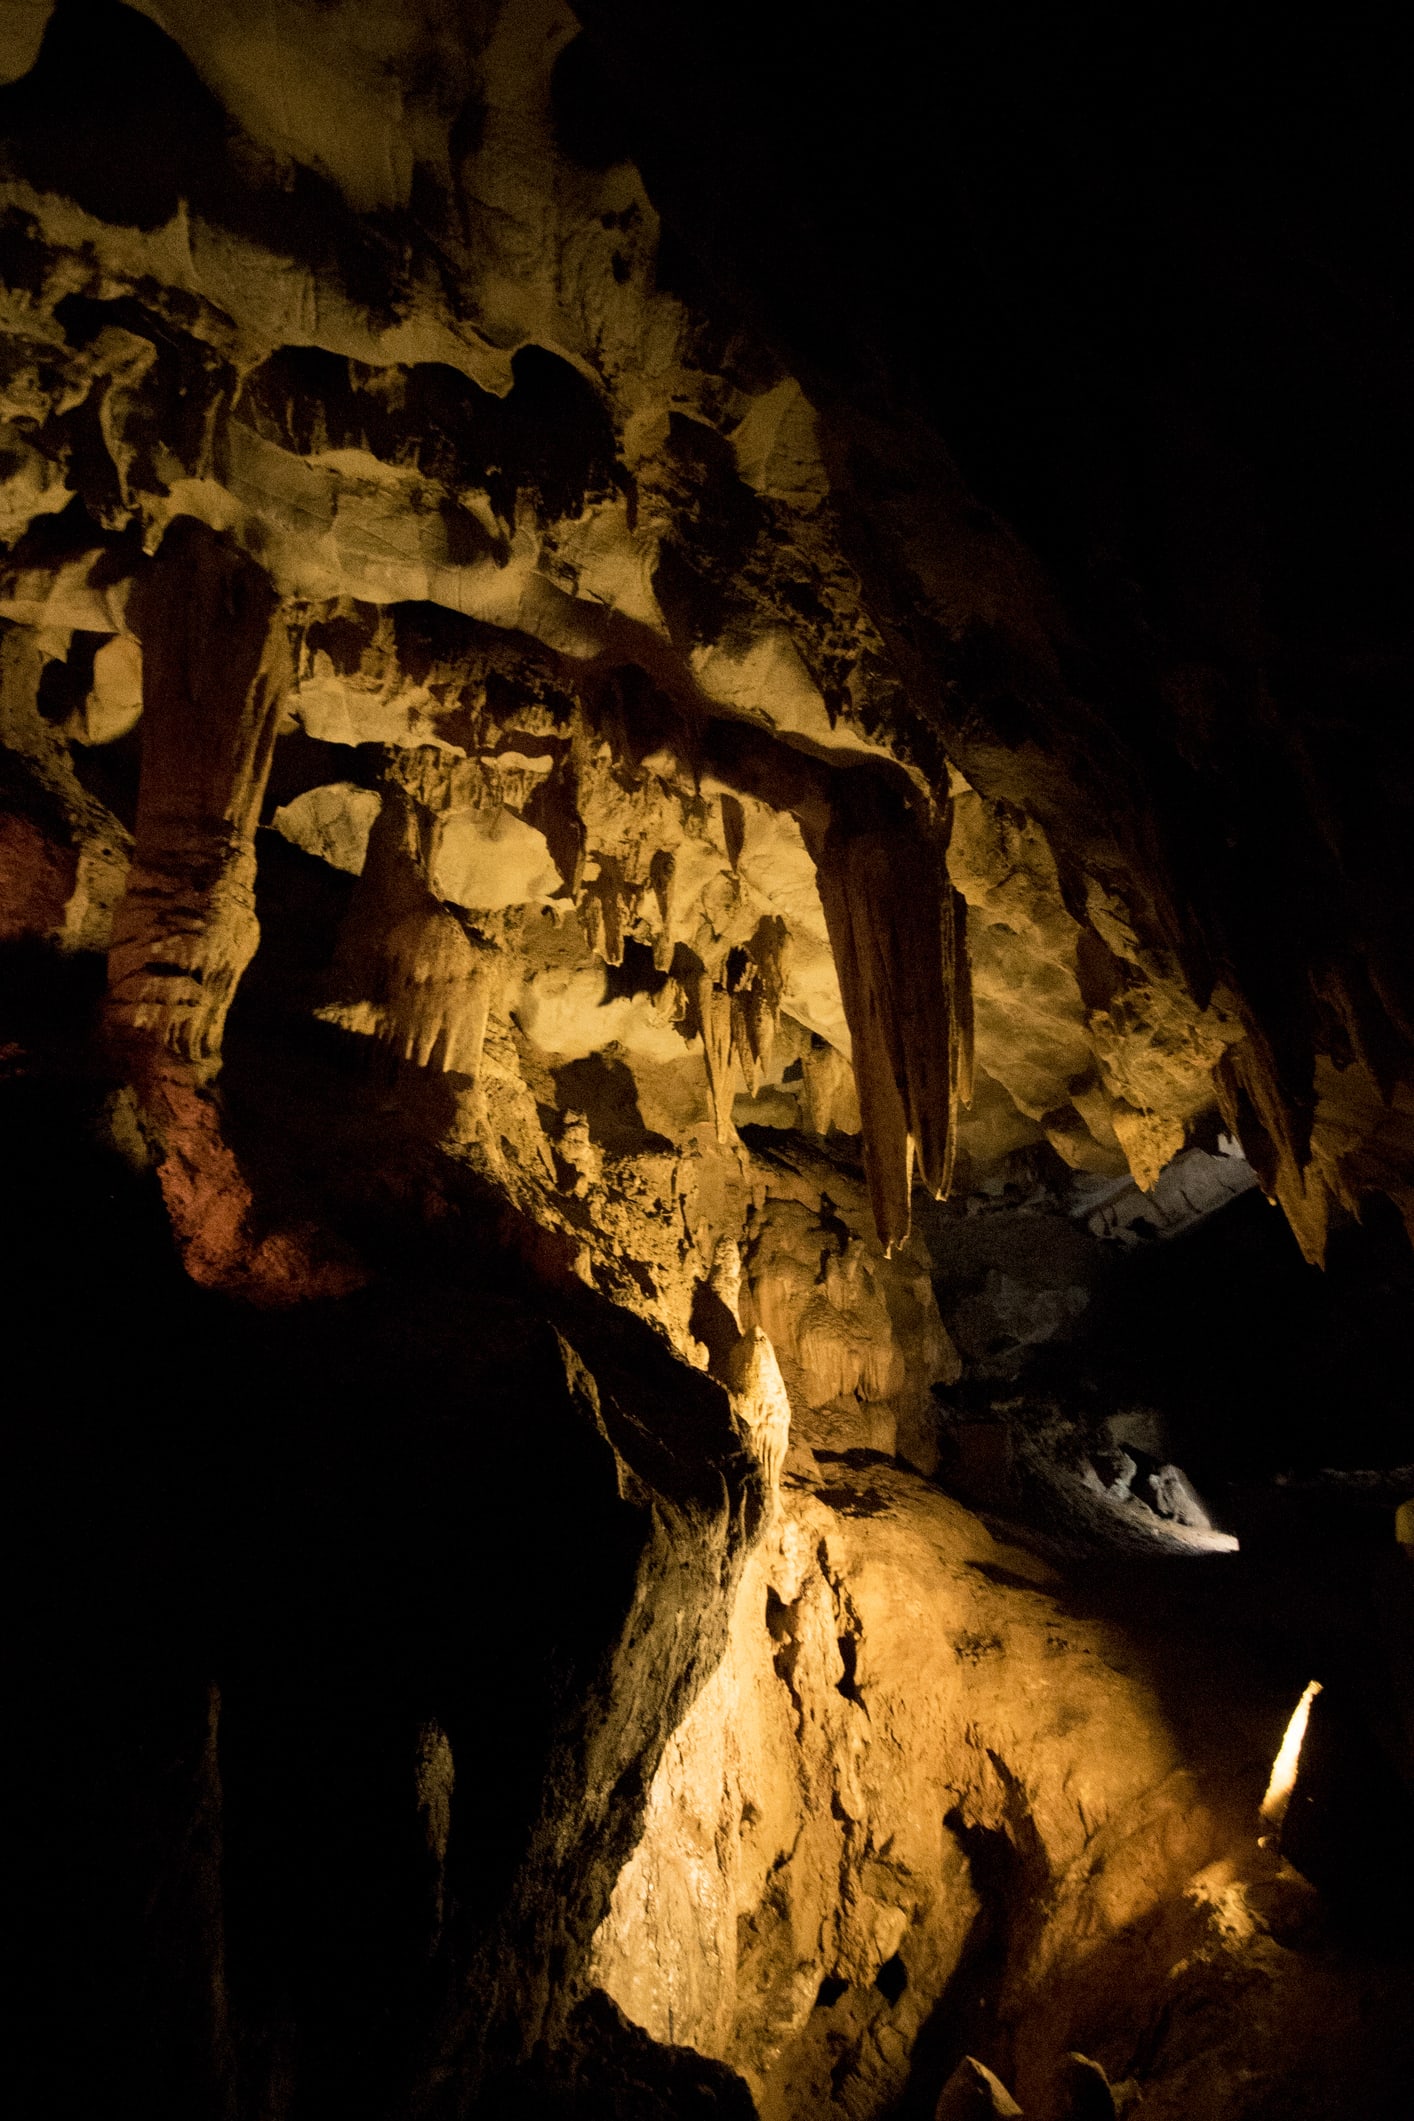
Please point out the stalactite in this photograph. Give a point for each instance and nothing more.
(439, 990)
(1259, 1117)
(761, 995)
(714, 1013)
(606, 908)
(434, 992)
(961, 1034)
(743, 1042)
(408, 973)
(896, 931)
(660, 881)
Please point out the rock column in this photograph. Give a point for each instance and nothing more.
(216, 667)
(215, 671)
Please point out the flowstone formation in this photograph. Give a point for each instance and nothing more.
(633, 927)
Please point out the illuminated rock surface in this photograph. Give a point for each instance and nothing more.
(702, 767)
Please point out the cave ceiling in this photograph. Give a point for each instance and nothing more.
(768, 662)
(878, 658)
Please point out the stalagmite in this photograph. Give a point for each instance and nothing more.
(827, 1080)
(760, 1402)
(725, 1278)
(579, 1155)
(215, 668)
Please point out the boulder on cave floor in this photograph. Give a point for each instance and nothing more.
(973, 2093)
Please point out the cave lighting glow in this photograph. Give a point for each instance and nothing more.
(1283, 1776)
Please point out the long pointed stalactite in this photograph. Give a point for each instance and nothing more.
(898, 932)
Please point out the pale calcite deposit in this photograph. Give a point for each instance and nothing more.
(331, 823)
(1113, 1066)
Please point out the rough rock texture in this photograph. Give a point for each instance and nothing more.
(973, 2089)
(930, 1801)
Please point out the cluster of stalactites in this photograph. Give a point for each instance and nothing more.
(738, 1016)
(410, 972)
(897, 933)
(735, 1010)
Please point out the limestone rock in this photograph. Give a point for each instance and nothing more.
(332, 822)
(858, 1336)
(1171, 1494)
(738, 781)
(1085, 2090)
(114, 703)
(875, 1716)
(1117, 1470)
(487, 862)
(63, 854)
(974, 2091)
(1404, 1527)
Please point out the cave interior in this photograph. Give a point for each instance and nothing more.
(706, 889)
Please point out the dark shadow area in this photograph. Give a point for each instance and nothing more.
(1349, 1826)
(301, 902)
(1009, 1877)
(590, 125)
(49, 1001)
(550, 437)
(302, 762)
(257, 1557)
(604, 1091)
(1265, 1364)
(114, 116)
(110, 772)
